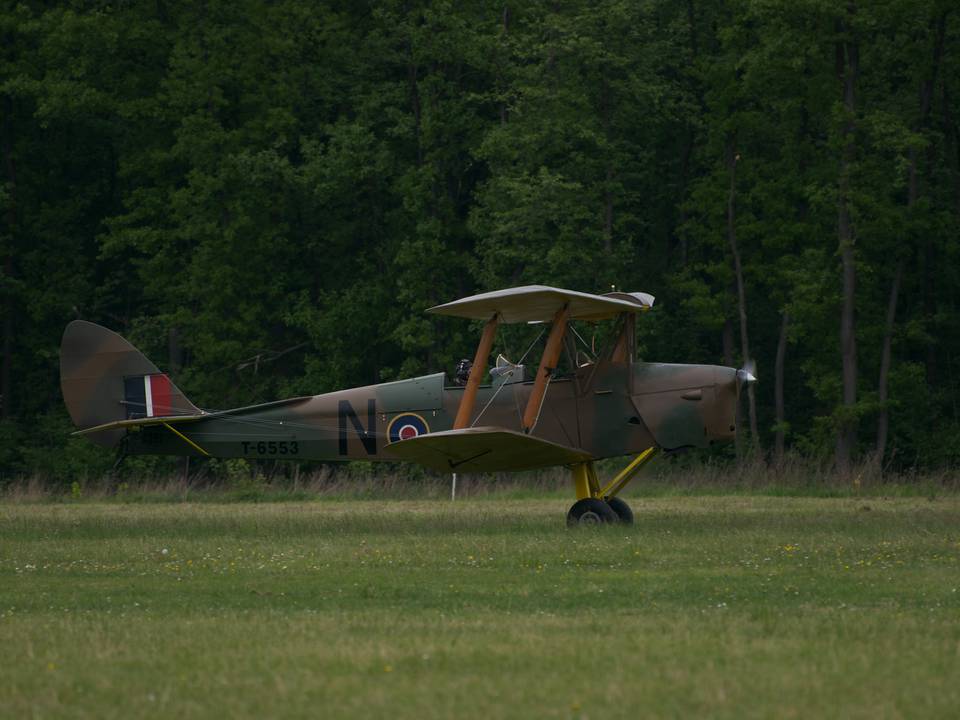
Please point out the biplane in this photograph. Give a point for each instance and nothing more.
(573, 408)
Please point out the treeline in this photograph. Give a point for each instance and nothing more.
(265, 196)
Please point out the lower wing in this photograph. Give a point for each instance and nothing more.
(484, 449)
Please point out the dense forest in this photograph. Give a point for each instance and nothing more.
(265, 196)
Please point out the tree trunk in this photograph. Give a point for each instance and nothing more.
(913, 192)
(415, 104)
(608, 214)
(847, 69)
(686, 151)
(883, 422)
(732, 158)
(685, 155)
(726, 338)
(951, 133)
(6, 374)
(9, 308)
(174, 351)
(505, 26)
(778, 388)
(606, 113)
(929, 260)
(728, 352)
(692, 28)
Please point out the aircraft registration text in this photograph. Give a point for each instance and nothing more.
(270, 447)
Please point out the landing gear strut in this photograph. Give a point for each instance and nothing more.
(597, 505)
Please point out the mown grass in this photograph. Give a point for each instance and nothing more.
(719, 606)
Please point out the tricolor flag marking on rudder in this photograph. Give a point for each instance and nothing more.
(147, 396)
(157, 388)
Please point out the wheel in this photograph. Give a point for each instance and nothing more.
(623, 511)
(590, 511)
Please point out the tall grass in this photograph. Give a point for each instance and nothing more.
(238, 481)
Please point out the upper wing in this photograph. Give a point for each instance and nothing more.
(484, 449)
(539, 303)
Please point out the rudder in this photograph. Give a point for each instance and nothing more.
(105, 379)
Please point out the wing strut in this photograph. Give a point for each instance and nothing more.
(548, 363)
(477, 372)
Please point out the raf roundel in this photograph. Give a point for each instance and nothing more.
(406, 426)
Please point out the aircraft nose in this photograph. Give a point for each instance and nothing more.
(721, 415)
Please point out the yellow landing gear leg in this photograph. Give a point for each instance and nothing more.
(624, 477)
(589, 509)
(596, 505)
(585, 480)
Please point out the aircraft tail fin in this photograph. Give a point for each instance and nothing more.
(105, 379)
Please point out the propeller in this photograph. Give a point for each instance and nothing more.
(747, 374)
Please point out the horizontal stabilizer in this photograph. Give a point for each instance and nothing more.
(140, 422)
(483, 449)
(172, 419)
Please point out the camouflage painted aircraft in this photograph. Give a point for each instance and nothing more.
(575, 408)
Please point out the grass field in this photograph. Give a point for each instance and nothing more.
(729, 607)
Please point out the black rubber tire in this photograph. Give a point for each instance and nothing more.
(623, 511)
(590, 511)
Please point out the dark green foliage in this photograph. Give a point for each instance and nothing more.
(265, 197)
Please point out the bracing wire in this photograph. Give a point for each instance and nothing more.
(574, 330)
(530, 347)
(492, 398)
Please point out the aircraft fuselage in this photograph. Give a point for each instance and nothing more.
(606, 409)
